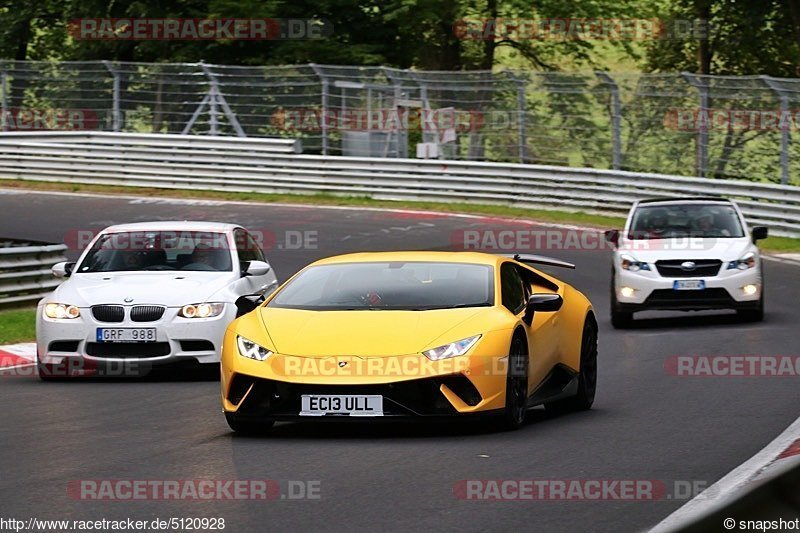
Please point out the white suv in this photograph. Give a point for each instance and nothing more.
(686, 254)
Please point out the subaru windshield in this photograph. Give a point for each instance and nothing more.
(668, 221)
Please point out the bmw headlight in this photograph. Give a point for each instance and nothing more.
(61, 311)
(204, 310)
(251, 350)
(631, 264)
(454, 349)
(743, 263)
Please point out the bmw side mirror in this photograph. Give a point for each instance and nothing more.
(255, 268)
(247, 303)
(542, 303)
(612, 236)
(62, 269)
(760, 233)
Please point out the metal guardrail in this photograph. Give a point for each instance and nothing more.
(25, 274)
(676, 123)
(129, 160)
(201, 142)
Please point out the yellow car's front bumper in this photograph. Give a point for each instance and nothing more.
(411, 385)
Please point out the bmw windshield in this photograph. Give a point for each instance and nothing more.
(158, 250)
(668, 221)
(415, 286)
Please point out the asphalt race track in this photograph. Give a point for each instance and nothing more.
(646, 424)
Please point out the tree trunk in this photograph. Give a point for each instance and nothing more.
(794, 15)
(18, 84)
(702, 12)
(489, 43)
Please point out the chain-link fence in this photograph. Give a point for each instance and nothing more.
(726, 127)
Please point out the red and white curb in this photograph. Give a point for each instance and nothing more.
(17, 356)
(778, 456)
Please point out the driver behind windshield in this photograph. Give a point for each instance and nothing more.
(204, 257)
(705, 225)
(657, 223)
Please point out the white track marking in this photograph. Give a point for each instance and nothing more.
(26, 350)
(732, 484)
(24, 365)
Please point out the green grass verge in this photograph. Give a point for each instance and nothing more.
(772, 244)
(17, 325)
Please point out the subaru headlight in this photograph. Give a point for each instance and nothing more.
(631, 264)
(251, 350)
(745, 262)
(454, 349)
(61, 311)
(204, 310)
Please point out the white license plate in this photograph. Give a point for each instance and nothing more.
(341, 404)
(126, 334)
(689, 285)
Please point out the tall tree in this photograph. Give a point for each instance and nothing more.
(729, 37)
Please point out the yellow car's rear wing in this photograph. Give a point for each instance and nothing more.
(530, 259)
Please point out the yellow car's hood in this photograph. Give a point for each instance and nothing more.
(360, 333)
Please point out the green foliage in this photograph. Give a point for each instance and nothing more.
(745, 37)
(17, 325)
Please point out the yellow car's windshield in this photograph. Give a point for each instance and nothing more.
(390, 286)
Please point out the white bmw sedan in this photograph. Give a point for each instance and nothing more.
(149, 293)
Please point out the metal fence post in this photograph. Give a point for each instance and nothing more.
(522, 140)
(616, 119)
(4, 84)
(324, 118)
(701, 165)
(402, 133)
(116, 117)
(213, 108)
(784, 122)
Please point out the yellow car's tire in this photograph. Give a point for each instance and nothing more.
(246, 427)
(587, 375)
(513, 416)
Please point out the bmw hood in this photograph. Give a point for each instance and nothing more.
(173, 289)
(359, 333)
(650, 251)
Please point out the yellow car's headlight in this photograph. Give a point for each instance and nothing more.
(203, 310)
(61, 311)
(454, 349)
(251, 350)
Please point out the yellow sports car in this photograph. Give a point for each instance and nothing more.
(411, 334)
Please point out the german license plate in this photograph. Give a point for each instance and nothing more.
(126, 334)
(689, 285)
(341, 404)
